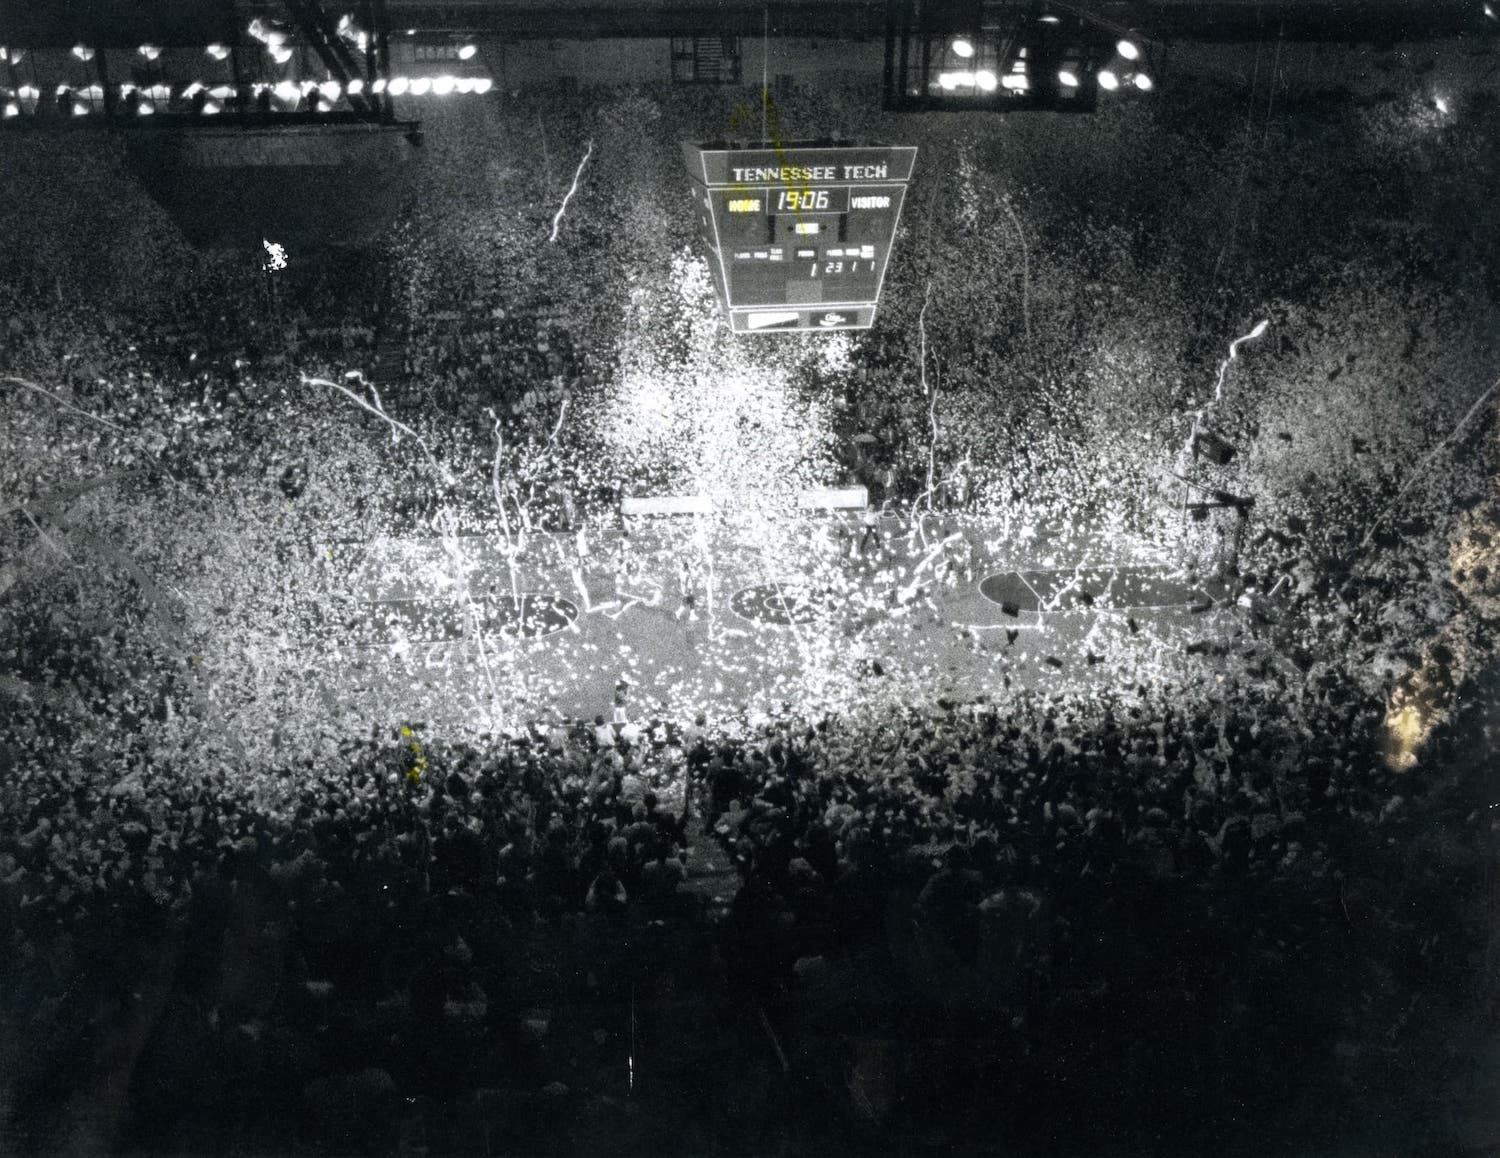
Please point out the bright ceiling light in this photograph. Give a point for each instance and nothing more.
(280, 55)
(160, 92)
(467, 52)
(192, 89)
(1051, 19)
(210, 108)
(420, 86)
(398, 85)
(1108, 80)
(1128, 50)
(379, 85)
(80, 110)
(330, 90)
(288, 92)
(1143, 82)
(463, 84)
(1067, 79)
(356, 86)
(962, 48)
(986, 81)
(948, 81)
(483, 84)
(442, 85)
(150, 51)
(1442, 105)
(145, 109)
(1489, 10)
(217, 51)
(83, 52)
(1015, 82)
(221, 92)
(12, 110)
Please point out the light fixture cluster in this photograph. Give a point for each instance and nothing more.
(211, 99)
(1043, 61)
(1127, 69)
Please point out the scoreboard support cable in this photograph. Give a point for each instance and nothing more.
(800, 234)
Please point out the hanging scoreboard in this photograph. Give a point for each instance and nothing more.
(800, 235)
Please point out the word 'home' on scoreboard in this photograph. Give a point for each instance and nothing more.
(800, 233)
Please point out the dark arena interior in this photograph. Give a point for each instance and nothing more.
(869, 577)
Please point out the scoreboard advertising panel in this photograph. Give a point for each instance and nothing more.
(800, 234)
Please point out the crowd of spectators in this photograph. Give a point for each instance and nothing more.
(409, 882)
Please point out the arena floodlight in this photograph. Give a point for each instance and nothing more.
(150, 51)
(1015, 81)
(1128, 50)
(83, 52)
(962, 47)
(1108, 81)
(330, 91)
(356, 86)
(443, 85)
(421, 86)
(467, 52)
(1143, 82)
(280, 54)
(217, 51)
(398, 85)
(985, 80)
(12, 109)
(1067, 78)
(483, 84)
(463, 84)
(1050, 18)
(378, 86)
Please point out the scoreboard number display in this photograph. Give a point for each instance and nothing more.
(800, 235)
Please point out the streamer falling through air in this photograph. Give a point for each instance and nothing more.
(1234, 347)
(563, 208)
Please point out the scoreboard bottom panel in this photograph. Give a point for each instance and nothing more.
(773, 320)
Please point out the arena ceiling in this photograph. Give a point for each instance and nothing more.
(119, 23)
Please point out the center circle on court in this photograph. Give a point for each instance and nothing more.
(535, 616)
(1008, 589)
(779, 603)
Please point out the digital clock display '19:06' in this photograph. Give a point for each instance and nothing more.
(811, 201)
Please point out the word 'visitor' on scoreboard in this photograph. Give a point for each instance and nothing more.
(800, 233)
